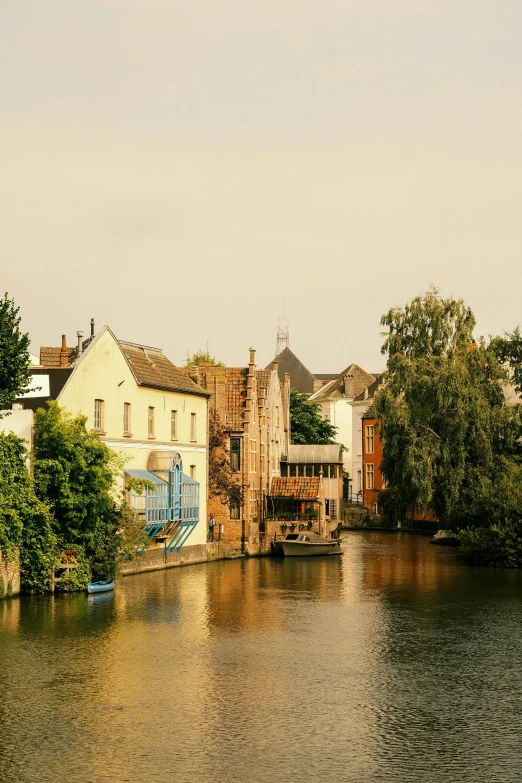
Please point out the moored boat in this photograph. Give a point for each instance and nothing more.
(306, 543)
(100, 587)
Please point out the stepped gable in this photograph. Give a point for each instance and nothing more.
(228, 388)
(152, 368)
(350, 383)
(301, 379)
(263, 378)
(301, 488)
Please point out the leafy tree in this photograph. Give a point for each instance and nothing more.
(25, 522)
(222, 481)
(75, 474)
(508, 350)
(202, 357)
(307, 426)
(447, 435)
(14, 356)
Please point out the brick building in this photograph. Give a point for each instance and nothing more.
(253, 407)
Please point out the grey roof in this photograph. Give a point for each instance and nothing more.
(349, 383)
(315, 454)
(368, 393)
(301, 379)
(325, 376)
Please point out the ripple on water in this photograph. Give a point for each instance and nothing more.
(393, 663)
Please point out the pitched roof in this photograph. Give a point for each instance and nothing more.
(152, 368)
(301, 378)
(310, 454)
(348, 383)
(263, 378)
(368, 393)
(302, 488)
(50, 355)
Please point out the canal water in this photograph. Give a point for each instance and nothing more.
(391, 663)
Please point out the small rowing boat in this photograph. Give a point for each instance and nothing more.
(100, 587)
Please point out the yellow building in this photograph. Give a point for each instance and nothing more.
(152, 413)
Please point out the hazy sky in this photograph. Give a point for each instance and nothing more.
(178, 169)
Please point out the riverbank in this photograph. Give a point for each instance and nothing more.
(158, 559)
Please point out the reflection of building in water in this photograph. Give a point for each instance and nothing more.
(240, 593)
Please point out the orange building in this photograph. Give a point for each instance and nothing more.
(372, 457)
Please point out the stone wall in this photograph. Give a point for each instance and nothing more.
(156, 559)
(9, 578)
(355, 517)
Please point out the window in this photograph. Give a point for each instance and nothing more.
(98, 415)
(193, 426)
(369, 476)
(253, 456)
(173, 425)
(309, 469)
(359, 481)
(375, 509)
(150, 423)
(126, 418)
(234, 511)
(384, 484)
(333, 471)
(192, 471)
(331, 508)
(235, 454)
(284, 469)
(369, 438)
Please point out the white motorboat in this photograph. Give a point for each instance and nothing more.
(305, 543)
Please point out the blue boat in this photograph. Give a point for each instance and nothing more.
(100, 587)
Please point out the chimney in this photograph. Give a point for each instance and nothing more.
(80, 343)
(275, 366)
(92, 328)
(365, 396)
(252, 359)
(64, 353)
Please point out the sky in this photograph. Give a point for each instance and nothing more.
(189, 172)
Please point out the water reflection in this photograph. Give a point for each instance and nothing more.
(393, 662)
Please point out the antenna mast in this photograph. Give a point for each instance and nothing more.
(283, 335)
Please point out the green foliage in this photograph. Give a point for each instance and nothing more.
(448, 437)
(307, 426)
(14, 355)
(2, 588)
(222, 481)
(495, 545)
(508, 350)
(202, 357)
(25, 522)
(74, 473)
(75, 579)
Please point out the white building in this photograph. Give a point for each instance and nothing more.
(335, 399)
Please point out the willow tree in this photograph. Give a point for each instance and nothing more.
(447, 434)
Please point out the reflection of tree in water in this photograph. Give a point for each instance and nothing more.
(52, 664)
(443, 695)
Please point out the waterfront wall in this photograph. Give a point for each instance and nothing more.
(9, 578)
(156, 559)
